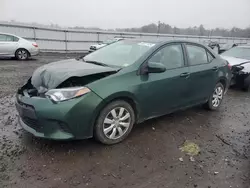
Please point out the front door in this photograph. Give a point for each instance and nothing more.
(202, 73)
(165, 92)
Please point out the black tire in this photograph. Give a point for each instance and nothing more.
(99, 125)
(209, 104)
(246, 86)
(22, 54)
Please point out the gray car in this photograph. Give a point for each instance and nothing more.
(14, 46)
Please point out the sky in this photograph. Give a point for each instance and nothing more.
(111, 14)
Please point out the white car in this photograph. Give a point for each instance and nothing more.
(239, 59)
(95, 47)
(14, 46)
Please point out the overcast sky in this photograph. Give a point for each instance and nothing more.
(128, 13)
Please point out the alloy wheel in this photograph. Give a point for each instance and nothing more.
(116, 123)
(22, 54)
(217, 96)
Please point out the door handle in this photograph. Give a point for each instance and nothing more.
(215, 68)
(185, 74)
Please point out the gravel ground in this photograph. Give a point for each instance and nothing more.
(149, 158)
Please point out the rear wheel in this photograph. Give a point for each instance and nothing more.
(115, 122)
(215, 99)
(22, 54)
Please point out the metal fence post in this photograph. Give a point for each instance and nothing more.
(34, 33)
(98, 37)
(66, 42)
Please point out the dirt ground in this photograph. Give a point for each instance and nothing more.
(149, 158)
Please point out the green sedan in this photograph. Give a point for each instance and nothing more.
(105, 93)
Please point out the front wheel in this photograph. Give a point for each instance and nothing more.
(22, 54)
(115, 122)
(215, 99)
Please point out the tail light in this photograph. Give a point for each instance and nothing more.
(35, 45)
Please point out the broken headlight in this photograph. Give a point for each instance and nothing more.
(63, 94)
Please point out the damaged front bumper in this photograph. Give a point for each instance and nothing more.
(240, 77)
(72, 119)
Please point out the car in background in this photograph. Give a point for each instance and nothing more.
(106, 92)
(95, 47)
(239, 58)
(219, 48)
(215, 46)
(227, 46)
(14, 46)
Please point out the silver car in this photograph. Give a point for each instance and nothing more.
(14, 46)
(239, 59)
(95, 47)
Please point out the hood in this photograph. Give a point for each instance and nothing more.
(51, 75)
(238, 61)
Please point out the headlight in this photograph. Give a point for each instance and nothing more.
(63, 94)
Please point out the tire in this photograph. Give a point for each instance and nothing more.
(22, 54)
(214, 103)
(246, 86)
(118, 123)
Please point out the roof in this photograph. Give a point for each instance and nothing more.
(160, 41)
(9, 34)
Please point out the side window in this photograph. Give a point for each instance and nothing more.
(15, 39)
(196, 55)
(2, 38)
(9, 38)
(209, 57)
(171, 56)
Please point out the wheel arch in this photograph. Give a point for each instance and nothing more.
(21, 48)
(125, 96)
(223, 81)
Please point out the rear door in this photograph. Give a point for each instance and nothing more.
(8, 44)
(164, 92)
(203, 71)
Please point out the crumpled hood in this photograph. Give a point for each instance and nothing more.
(51, 75)
(237, 61)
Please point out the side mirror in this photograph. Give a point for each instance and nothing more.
(155, 67)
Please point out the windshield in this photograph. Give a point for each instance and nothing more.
(120, 54)
(238, 52)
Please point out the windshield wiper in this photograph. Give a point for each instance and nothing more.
(96, 63)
